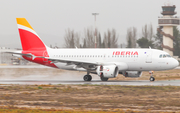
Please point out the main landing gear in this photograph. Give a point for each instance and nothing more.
(87, 77)
(151, 77)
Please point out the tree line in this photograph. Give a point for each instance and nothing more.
(74, 39)
(148, 39)
(110, 38)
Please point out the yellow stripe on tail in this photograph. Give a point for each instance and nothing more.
(24, 22)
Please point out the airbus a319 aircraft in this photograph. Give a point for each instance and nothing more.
(106, 63)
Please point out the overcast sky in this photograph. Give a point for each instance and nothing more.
(50, 18)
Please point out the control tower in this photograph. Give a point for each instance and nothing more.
(166, 23)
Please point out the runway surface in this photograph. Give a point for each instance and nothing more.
(68, 77)
(94, 82)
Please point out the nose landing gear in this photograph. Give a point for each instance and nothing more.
(151, 77)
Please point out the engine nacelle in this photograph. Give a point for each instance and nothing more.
(132, 74)
(110, 71)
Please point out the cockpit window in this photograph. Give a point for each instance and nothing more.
(164, 56)
(168, 56)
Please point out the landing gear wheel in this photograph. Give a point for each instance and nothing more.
(87, 77)
(152, 79)
(104, 79)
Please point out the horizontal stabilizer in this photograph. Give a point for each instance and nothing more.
(28, 54)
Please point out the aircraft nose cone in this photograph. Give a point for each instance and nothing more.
(175, 63)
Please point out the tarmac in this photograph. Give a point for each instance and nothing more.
(39, 79)
(94, 82)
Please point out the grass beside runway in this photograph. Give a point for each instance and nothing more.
(25, 110)
(87, 97)
(90, 97)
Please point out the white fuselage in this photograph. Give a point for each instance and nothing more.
(145, 60)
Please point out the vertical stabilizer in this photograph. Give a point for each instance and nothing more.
(29, 38)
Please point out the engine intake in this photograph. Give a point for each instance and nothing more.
(110, 71)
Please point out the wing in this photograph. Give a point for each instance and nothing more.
(79, 63)
(88, 64)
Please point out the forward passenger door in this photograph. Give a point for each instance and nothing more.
(148, 56)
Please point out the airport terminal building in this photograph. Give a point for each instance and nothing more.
(9, 59)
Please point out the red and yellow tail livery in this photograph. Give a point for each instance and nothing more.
(29, 38)
(33, 47)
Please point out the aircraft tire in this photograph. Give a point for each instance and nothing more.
(90, 77)
(104, 79)
(152, 79)
(87, 77)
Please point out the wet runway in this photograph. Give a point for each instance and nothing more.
(94, 82)
(31, 77)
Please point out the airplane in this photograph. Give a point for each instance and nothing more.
(106, 63)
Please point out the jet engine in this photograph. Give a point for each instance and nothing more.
(132, 74)
(109, 71)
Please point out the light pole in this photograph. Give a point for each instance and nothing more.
(95, 34)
